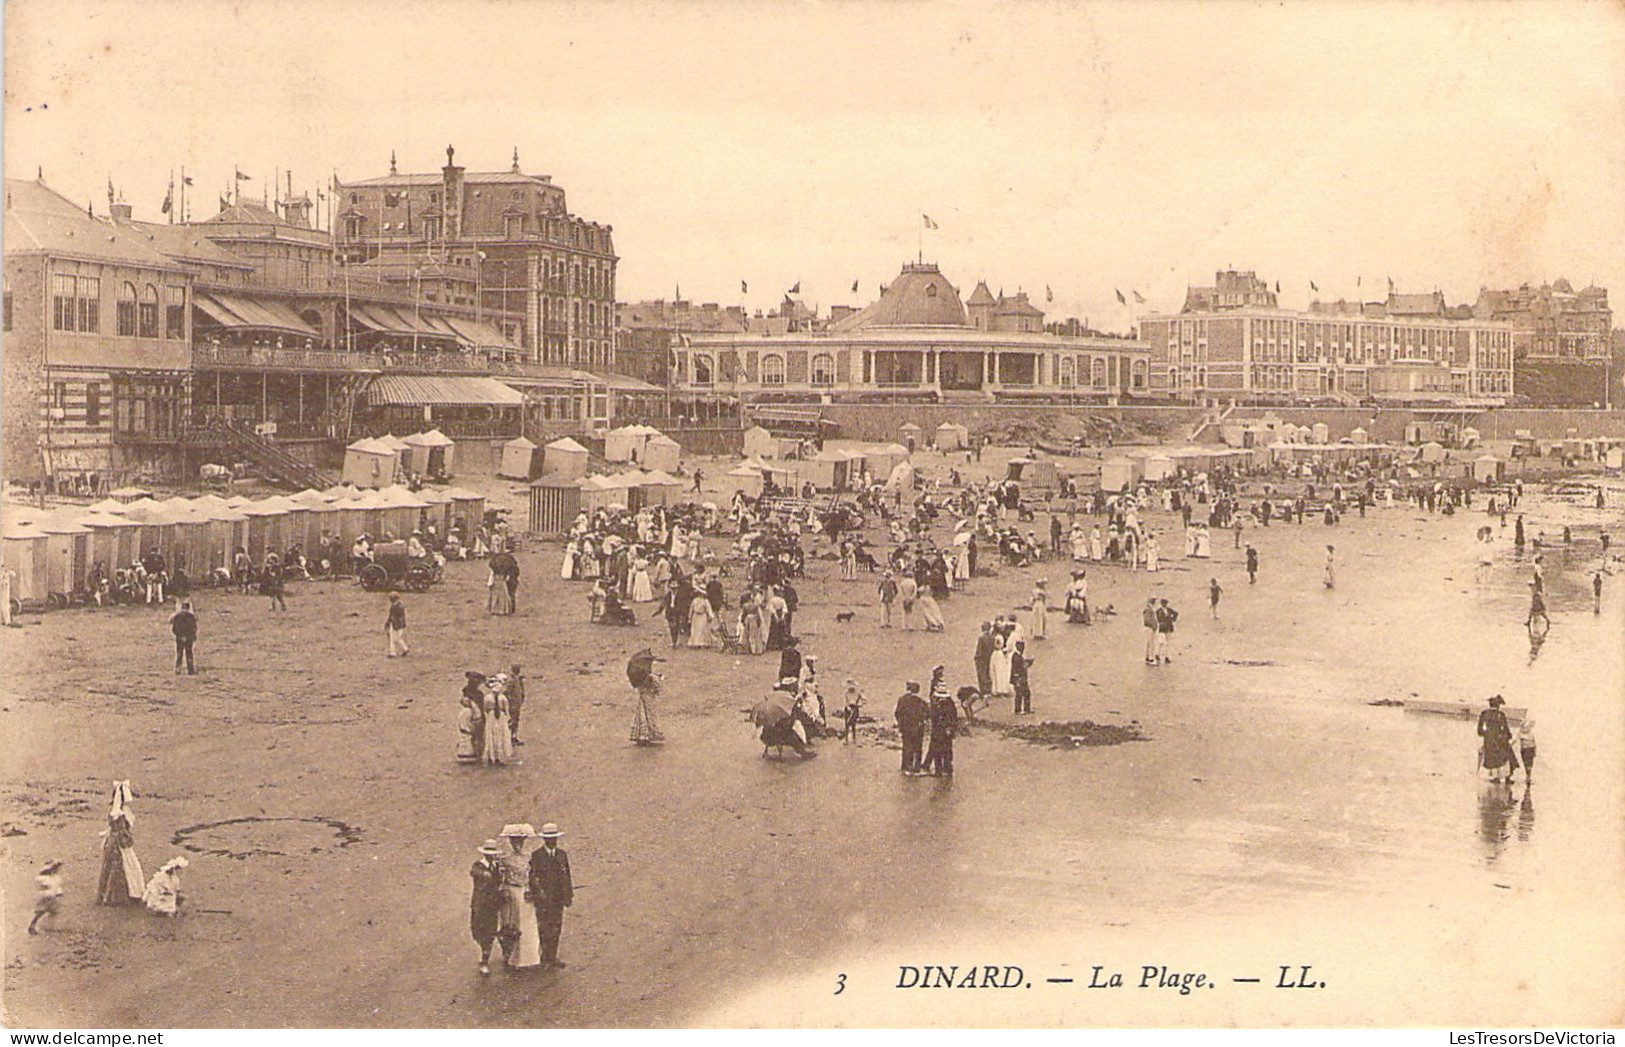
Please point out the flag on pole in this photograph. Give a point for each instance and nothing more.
(110, 192)
(744, 288)
(1120, 299)
(854, 287)
(1356, 281)
(929, 224)
(1313, 286)
(242, 177)
(169, 200)
(1049, 295)
(796, 289)
(225, 202)
(186, 179)
(1138, 298)
(1277, 287)
(1390, 285)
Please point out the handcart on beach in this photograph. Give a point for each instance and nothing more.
(393, 568)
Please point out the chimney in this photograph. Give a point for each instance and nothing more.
(452, 195)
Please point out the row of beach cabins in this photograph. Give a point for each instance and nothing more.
(50, 552)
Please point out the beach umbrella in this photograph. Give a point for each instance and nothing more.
(640, 667)
(772, 710)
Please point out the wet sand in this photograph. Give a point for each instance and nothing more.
(1273, 816)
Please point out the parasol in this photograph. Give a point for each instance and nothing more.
(772, 710)
(962, 538)
(641, 666)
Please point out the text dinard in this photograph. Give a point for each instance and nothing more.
(1151, 976)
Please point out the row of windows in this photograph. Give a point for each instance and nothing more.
(76, 306)
(822, 370)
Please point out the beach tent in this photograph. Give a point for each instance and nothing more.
(554, 503)
(396, 444)
(403, 511)
(112, 539)
(565, 458)
(1432, 452)
(67, 552)
(601, 492)
(1159, 467)
(830, 470)
(156, 524)
(881, 459)
(1488, 469)
(24, 555)
(910, 436)
(129, 494)
(370, 463)
(1469, 437)
(662, 453)
(661, 488)
(780, 476)
(439, 511)
(265, 528)
(951, 436)
(901, 478)
(744, 479)
(467, 509)
(1614, 458)
(1036, 472)
(626, 443)
(519, 459)
(1320, 433)
(108, 505)
(192, 549)
(429, 453)
(1359, 435)
(759, 443)
(1118, 474)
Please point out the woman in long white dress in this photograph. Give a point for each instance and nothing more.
(1096, 549)
(1080, 543)
(516, 916)
(498, 741)
(643, 590)
(1040, 609)
(700, 616)
(1151, 552)
(567, 570)
(999, 668)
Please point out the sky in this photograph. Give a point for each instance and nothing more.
(1065, 149)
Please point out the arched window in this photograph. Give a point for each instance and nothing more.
(703, 369)
(1097, 372)
(1069, 372)
(772, 369)
(823, 369)
(149, 312)
(1139, 374)
(126, 310)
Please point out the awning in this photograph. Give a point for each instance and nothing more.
(434, 390)
(626, 384)
(477, 333)
(398, 322)
(250, 313)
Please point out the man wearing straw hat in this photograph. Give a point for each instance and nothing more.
(551, 891)
(485, 904)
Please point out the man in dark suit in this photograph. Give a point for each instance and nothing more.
(913, 716)
(551, 891)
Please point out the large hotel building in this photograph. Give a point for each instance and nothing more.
(1231, 341)
(918, 341)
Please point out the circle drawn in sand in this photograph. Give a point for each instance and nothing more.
(261, 837)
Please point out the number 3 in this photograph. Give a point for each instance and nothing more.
(840, 984)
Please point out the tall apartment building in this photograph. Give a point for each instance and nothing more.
(1552, 321)
(504, 239)
(1353, 354)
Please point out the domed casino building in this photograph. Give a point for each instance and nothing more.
(918, 342)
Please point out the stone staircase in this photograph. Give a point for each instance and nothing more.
(277, 463)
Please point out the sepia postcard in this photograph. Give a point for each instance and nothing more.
(730, 514)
